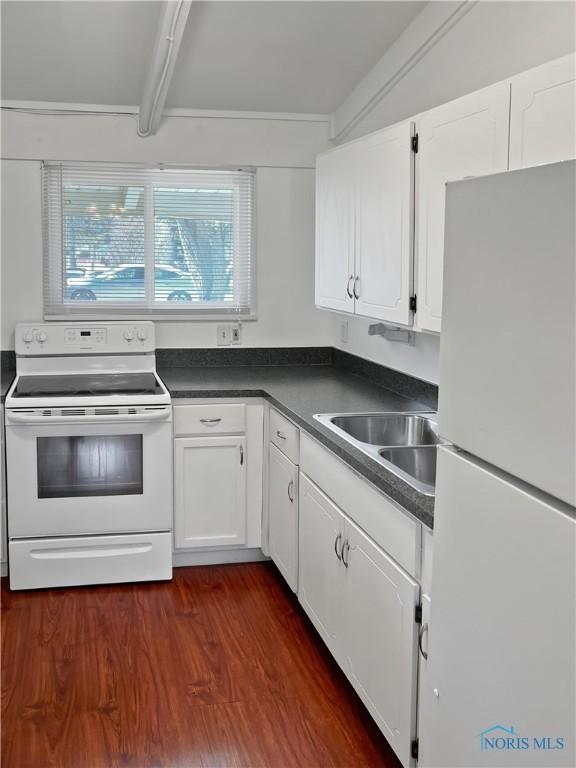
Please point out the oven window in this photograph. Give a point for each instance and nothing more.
(101, 465)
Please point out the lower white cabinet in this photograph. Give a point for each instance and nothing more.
(283, 515)
(380, 637)
(320, 533)
(363, 605)
(210, 491)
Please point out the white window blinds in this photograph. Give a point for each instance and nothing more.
(162, 242)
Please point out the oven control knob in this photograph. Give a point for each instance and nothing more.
(28, 337)
(142, 334)
(41, 337)
(129, 334)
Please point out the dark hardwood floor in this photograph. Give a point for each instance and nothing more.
(219, 667)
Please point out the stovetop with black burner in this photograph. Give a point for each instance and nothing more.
(87, 384)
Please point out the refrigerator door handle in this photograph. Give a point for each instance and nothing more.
(422, 631)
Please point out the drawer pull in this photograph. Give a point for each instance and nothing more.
(281, 435)
(210, 422)
(90, 551)
(423, 631)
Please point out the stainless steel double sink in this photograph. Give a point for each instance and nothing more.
(404, 443)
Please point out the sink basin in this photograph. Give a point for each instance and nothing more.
(418, 463)
(389, 429)
(405, 443)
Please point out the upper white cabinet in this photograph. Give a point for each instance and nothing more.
(466, 137)
(383, 240)
(335, 231)
(365, 222)
(542, 114)
(364, 226)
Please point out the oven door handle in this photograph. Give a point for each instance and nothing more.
(30, 419)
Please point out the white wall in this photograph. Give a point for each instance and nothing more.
(491, 42)
(421, 359)
(284, 152)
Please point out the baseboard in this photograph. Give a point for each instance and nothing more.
(218, 557)
(211, 557)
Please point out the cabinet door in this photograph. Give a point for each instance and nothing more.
(334, 231)
(383, 224)
(467, 137)
(283, 515)
(210, 492)
(380, 638)
(542, 114)
(320, 570)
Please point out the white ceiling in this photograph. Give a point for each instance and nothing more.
(79, 52)
(261, 56)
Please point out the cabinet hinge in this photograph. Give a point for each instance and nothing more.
(413, 303)
(418, 614)
(414, 143)
(414, 749)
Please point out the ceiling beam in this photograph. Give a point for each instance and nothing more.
(169, 36)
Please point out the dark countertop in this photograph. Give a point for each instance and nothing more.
(300, 392)
(6, 379)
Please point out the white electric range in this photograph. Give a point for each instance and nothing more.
(89, 457)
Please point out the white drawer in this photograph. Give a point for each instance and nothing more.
(82, 560)
(225, 418)
(393, 530)
(285, 436)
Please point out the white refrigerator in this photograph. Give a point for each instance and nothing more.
(500, 681)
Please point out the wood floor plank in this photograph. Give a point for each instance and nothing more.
(217, 668)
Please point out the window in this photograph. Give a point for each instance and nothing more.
(149, 242)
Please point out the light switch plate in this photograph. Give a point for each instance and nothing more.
(223, 335)
(236, 334)
(344, 332)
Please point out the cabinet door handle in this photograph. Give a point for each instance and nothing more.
(336, 541)
(348, 291)
(356, 289)
(241, 455)
(210, 422)
(291, 491)
(281, 435)
(345, 548)
(422, 631)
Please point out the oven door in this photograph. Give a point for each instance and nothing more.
(74, 474)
